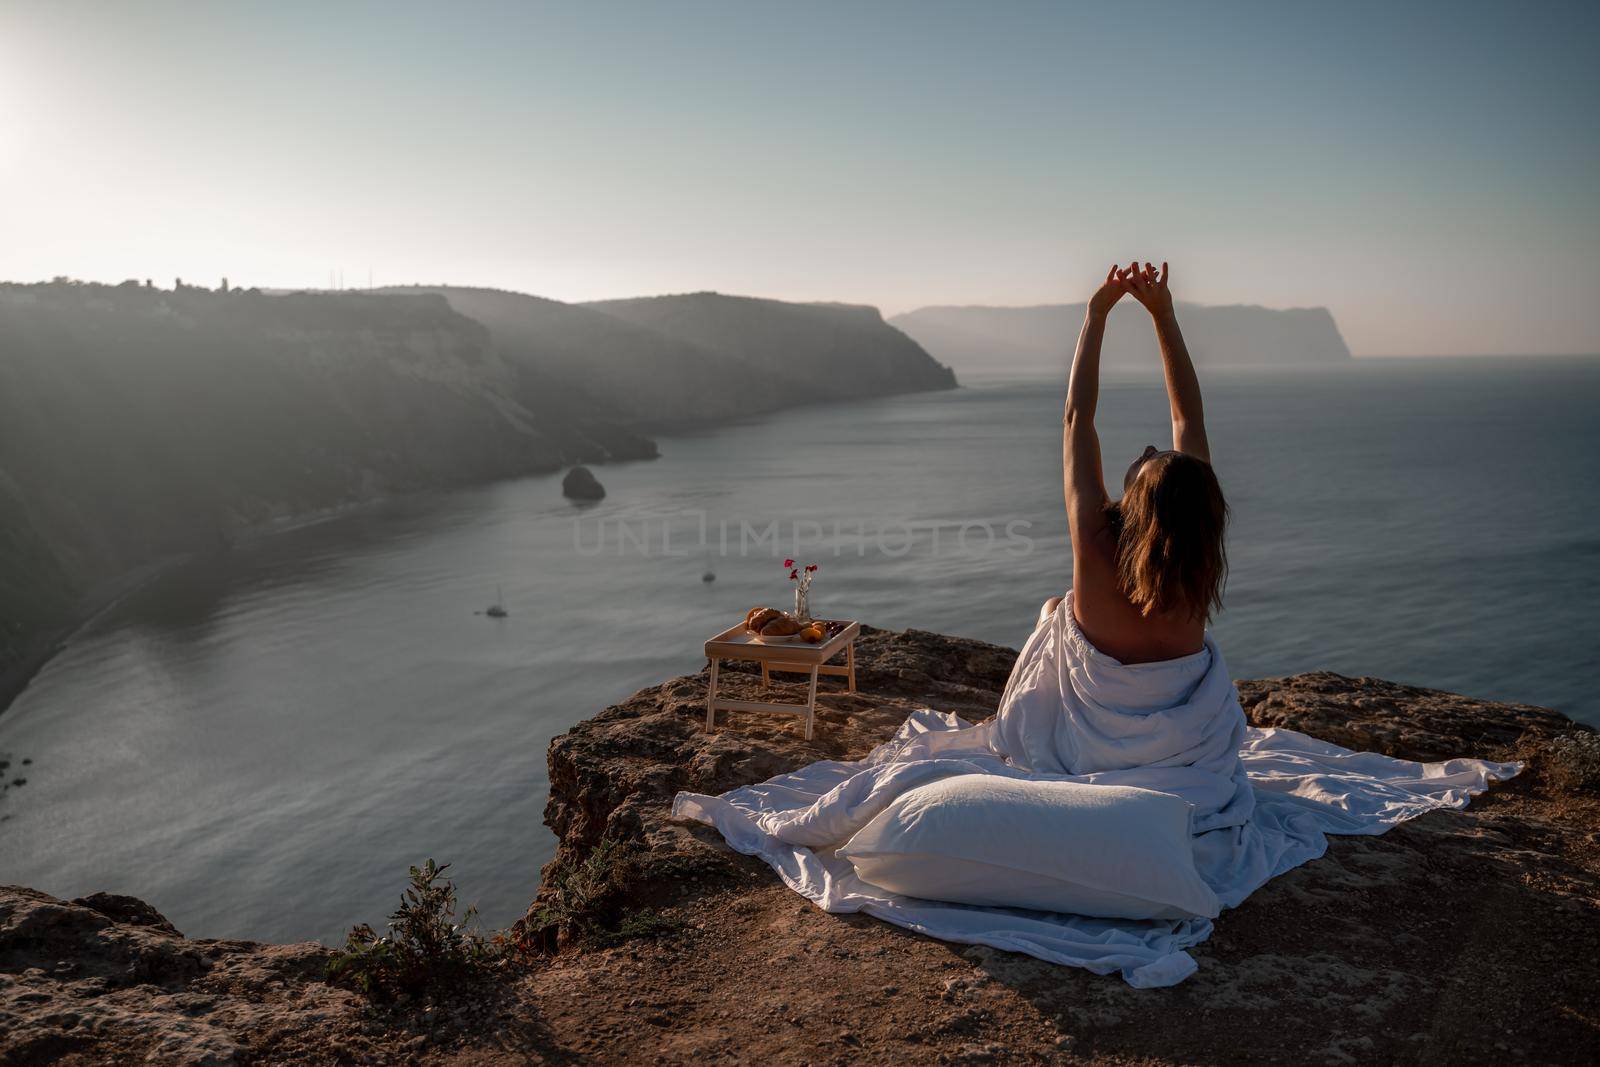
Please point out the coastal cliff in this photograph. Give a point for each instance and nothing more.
(139, 425)
(668, 360)
(812, 351)
(1459, 937)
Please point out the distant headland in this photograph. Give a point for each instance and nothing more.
(1025, 340)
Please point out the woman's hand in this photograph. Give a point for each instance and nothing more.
(1149, 287)
(1110, 291)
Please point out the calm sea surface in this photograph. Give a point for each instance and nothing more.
(260, 744)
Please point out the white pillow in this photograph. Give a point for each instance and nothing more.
(1102, 850)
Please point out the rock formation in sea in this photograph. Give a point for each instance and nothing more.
(581, 484)
(1459, 937)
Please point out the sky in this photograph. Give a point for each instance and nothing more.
(1428, 172)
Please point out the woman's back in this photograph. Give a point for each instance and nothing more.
(1115, 626)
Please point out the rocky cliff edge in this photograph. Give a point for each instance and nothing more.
(1460, 937)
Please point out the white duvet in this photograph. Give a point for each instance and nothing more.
(1264, 800)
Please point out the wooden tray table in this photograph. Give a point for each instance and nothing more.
(798, 657)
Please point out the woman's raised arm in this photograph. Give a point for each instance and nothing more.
(1080, 445)
(1149, 287)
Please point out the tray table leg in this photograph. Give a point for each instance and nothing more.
(850, 663)
(711, 697)
(766, 677)
(811, 704)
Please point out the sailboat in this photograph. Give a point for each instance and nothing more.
(497, 610)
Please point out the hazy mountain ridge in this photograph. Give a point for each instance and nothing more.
(1041, 338)
(639, 374)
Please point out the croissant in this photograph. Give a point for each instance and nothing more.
(782, 626)
(759, 617)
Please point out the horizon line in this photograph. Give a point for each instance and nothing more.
(376, 290)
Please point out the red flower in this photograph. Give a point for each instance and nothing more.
(788, 563)
(795, 575)
(811, 568)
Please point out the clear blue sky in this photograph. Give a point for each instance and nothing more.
(1427, 171)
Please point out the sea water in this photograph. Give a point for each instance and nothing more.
(260, 743)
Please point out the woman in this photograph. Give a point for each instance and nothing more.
(1119, 681)
(1147, 571)
(1120, 685)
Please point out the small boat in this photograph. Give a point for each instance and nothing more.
(497, 610)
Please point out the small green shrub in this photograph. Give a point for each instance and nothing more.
(583, 901)
(425, 948)
(1572, 761)
(572, 899)
(649, 923)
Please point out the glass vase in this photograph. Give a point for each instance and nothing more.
(802, 604)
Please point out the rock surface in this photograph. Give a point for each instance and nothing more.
(106, 978)
(1460, 937)
(581, 484)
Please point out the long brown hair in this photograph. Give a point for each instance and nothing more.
(1169, 526)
